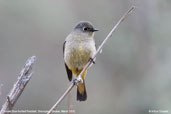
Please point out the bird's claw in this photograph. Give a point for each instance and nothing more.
(92, 60)
(77, 81)
(80, 80)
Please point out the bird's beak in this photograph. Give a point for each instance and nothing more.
(94, 30)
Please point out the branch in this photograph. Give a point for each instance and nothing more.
(90, 62)
(24, 77)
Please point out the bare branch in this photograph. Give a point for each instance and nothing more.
(61, 98)
(24, 77)
(90, 62)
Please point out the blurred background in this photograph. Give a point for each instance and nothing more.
(131, 76)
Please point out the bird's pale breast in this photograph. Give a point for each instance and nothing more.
(78, 52)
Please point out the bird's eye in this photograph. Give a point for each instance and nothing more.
(85, 28)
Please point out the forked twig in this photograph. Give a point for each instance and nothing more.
(24, 77)
(90, 62)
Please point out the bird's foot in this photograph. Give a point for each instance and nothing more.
(80, 80)
(77, 81)
(92, 60)
(74, 81)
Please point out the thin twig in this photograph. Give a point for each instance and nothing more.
(90, 62)
(24, 77)
(61, 98)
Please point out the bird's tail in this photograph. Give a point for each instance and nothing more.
(81, 89)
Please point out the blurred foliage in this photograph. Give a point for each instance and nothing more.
(132, 75)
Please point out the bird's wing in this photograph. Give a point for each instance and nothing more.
(69, 72)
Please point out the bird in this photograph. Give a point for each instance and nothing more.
(78, 48)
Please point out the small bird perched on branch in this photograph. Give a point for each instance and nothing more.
(78, 48)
